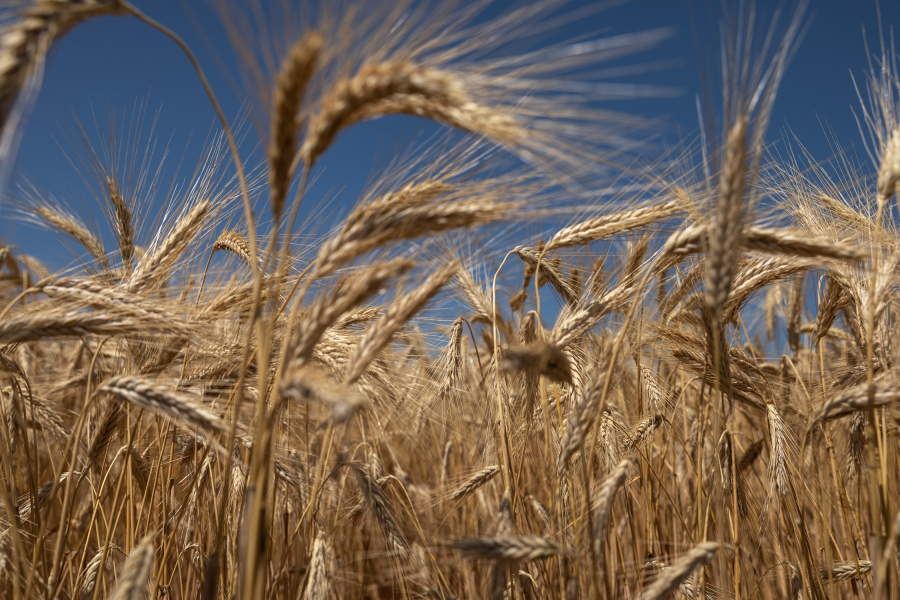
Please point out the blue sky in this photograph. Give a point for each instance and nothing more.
(122, 65)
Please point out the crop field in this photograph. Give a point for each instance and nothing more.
(489, 380)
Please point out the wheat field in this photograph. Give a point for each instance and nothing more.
(480, 384)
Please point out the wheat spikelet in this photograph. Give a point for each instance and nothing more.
(397, 314)
(144, 394)
(155, 262)
(523, 548)
(394, 88)
(69, 225)
(474, 482)
(295, 73)
(598, 228)
(235, 243)
(136, 572)
(673, 577)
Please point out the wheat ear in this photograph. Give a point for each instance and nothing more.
(318, 586)
(523, 548)
(235, 243)
(673, 577)
(324, 314)
(598, 228)
(124, 226)
(474, 482)
(78, 231)
(25, 43)
(136, 572)
(144, 394)
(778, 473)
(154, 263)
(295, 73)
(400, 87)
(397, 314)
(603, 507)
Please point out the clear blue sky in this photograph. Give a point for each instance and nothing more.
(120, 63)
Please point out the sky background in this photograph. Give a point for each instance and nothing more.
(121, 66)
